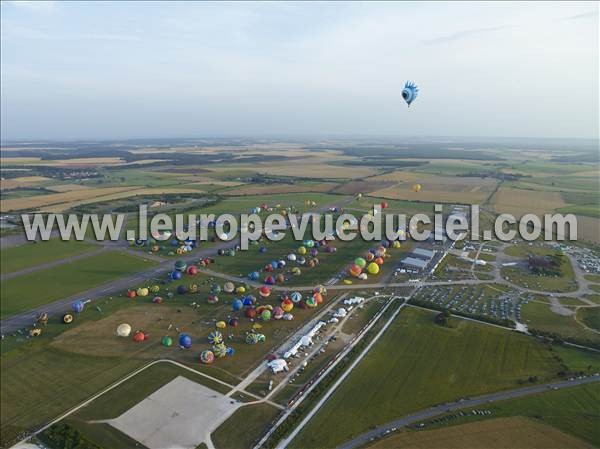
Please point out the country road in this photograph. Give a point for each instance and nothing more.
(431, 412)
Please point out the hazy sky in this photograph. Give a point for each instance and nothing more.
(113, 70)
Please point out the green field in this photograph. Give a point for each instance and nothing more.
(244, 427)
(565, 282)
(44, 286)
(539, 316)
(39, 384)
(420, 364)
(590, 316)
(122, 398)
(574, 411)
(30, 254)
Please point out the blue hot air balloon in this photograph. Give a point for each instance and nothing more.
(78, 306)
(410, 92)
(185, 341)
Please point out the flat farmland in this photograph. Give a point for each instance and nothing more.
(306, 168)
(23, 181)
(57, 198)
(448, 189)
(518, 202)
(418, 372)
(279, 188)
(30, 254)
(500, 433)
(41, 287)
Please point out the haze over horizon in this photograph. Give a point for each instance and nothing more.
(128, 70)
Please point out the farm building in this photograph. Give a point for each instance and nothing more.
(414, 264)
(421, 253)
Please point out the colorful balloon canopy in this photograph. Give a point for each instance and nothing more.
(180, 265)
(416, 188)
(207, 357)
(123, 330)
(373, 268)
(78, 306)
(167, 341)
(410, 92)
(139, 337)
(237, 304)
(215, 338)
(296, 297)
(185, 341)
(219, 350)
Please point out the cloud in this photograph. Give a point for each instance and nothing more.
(21, 32)
(34, 6)
(463, 35)
(584, 15)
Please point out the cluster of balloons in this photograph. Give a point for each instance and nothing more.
(371, 262)
(179, 245)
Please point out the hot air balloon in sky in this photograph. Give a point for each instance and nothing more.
(410, 92)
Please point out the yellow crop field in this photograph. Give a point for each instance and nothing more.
(23, 181)
(34, 202)
(499, 433)
(18, 160)
(308, 170)
(61, 207)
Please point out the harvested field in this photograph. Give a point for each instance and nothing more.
(280, 188)
(354, 187)
(23, 181)
(60, 207)
(519, 202)
(57, 198)
(307, 168)
(68, 187)
(499, 433)
(445, 189)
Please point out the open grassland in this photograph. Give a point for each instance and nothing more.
(40, 383)
(420, 364)
(120, 399)
(573, 411)
(44, 286)
(540, 316)
(31, 254)
(522, 276)
(500, 433)
(244, 427)
(590, 316)
(71, 362)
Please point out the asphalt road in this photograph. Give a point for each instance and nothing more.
(455, 406)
